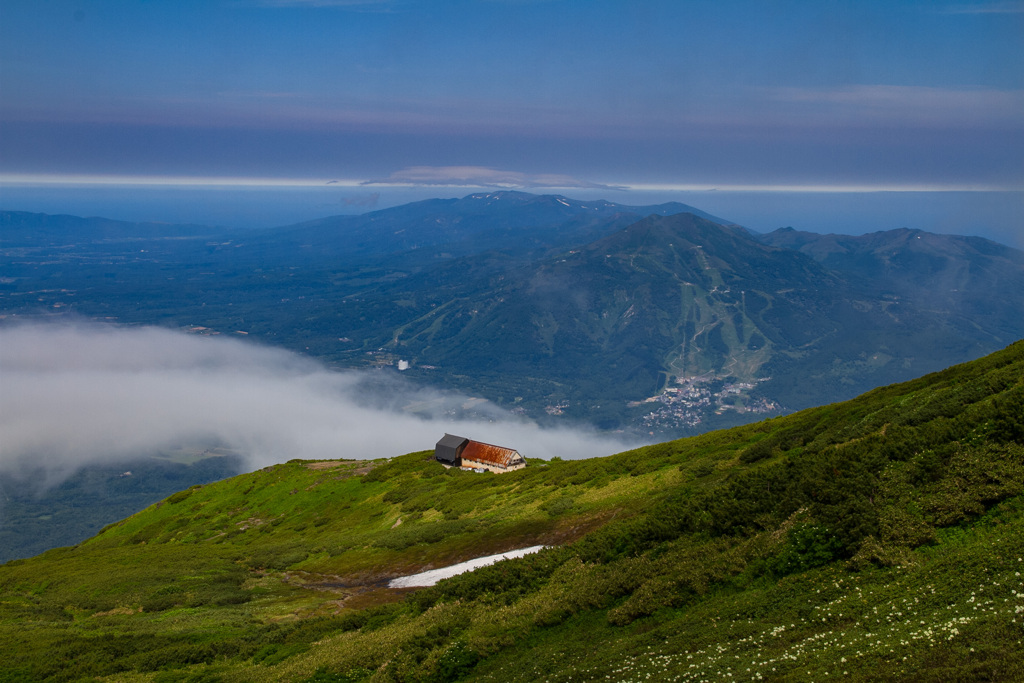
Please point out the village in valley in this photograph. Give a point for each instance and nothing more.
(688, 401)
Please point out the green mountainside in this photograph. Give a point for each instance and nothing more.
(669, 301)
(674, 296)
(877, 539)
(656, 319)
(36, 514)
(963, 276)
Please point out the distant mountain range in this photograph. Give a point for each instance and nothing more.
(966, 277)
(444, 228)
(34, 230)
(660, 318)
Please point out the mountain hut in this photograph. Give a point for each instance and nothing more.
(458, 451)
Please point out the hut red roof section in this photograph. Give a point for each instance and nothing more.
(485, 452)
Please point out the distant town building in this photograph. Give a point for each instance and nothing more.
(458, 451)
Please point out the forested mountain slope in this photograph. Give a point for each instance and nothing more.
(670, 300)
(967, 277)
(657, 319)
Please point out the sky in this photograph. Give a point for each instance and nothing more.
(305, 104)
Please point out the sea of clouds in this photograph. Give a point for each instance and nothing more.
(76, 394)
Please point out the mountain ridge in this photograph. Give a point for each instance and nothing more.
(492, 220)
(55, 229)
(950, 272)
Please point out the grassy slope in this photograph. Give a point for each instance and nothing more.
(35, 519)
(882, 537)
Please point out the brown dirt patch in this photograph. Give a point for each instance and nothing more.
(325, 464)
(373, 598)
(250, 523)
(574, 529)
(349, 468)
(331, 464)
(118, 610)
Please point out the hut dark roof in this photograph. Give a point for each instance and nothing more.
(452, 441)
(449, 448)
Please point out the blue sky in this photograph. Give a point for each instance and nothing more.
(655, 97)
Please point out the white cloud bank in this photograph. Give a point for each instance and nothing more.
(78, 394)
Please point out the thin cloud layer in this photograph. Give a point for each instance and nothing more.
(1010, 7)
(480, 176)
(83, 394)
(900, 105)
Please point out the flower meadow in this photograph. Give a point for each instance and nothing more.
(954, 613)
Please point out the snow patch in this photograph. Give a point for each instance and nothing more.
(429, 578)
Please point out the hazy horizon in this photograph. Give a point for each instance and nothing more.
(993, 215)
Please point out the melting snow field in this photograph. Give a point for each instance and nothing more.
(431, 577)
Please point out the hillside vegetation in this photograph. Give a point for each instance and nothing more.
(879, 538)
(36, 515)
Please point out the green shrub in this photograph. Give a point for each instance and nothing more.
(407, 536)
(277, 556)
(379, 617)
(325, 675)
(276, 653)
(765, 448)
(558, 506)
(176, 498)
(807, 546)
(456, 661)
